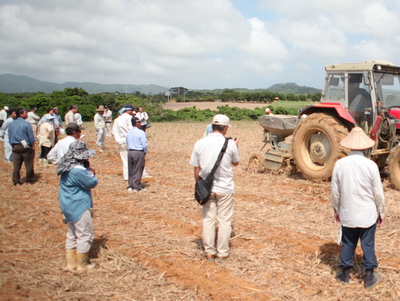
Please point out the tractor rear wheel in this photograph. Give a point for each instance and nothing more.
(394, 167)
(256, 163)
(316, 146)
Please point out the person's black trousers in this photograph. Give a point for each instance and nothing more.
(350, 238)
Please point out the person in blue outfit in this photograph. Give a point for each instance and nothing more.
(137, 149)
(77, 179)
(22, 141)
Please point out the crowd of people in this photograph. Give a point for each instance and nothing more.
(22, 130)
(358, 199)
(357, 195)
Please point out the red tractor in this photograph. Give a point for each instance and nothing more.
(361, 94)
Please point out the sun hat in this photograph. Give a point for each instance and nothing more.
(221, 119)
(100, 109)
(357, 140)
(77, 152)
(45, 118)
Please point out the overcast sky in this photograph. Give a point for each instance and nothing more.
(197, 44)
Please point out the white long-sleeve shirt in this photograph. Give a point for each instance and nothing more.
(33, 117)
(121, 127)
(99, 122)
(70, 118)
(60, 149)
(143, 117)
(357, 193)
(107, 116)
(3, 115)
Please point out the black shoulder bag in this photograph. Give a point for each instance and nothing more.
(203, 187)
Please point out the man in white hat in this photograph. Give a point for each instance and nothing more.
(359, 205)
(220, 205)
(99, 124)
(3, 115)
(121, 127)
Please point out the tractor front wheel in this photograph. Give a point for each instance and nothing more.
(316, 146)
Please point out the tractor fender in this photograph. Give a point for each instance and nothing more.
(333, 109)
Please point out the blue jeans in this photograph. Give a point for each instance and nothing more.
(350, 238)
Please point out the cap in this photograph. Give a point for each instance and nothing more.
(357, 140)
(6, 108)
(221, 119)
(267, 110)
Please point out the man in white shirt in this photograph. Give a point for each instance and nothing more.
(359, 205)
(3, 115)
(121, 127)
(220, 205)
(62, 146)
(33, 119)
(99, 125)
(4, 135)
(143, 117)
(108, 119)
(70, 116)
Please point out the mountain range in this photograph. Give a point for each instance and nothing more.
(10, 83)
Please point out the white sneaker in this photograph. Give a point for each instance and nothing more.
(146, 176)
(130, 189)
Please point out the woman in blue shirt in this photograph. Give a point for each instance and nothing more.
(76, 181)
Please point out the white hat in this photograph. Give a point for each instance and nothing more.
(267, 110)
(357, 140)
(221, 119)
(5, 108)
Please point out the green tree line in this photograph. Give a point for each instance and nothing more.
(152, 104)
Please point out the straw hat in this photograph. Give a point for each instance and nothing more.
(100, 109)
(357, 140)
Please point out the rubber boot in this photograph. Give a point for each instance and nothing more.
(344, 276)
(82, 261)
(371, 279)
(71, 260)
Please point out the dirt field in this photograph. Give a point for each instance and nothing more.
(175, 106)
(148, 245)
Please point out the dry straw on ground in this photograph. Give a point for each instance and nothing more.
(148, 245)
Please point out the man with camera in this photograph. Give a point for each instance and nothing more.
(220, 205)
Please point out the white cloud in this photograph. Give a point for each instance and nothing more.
(197, 44)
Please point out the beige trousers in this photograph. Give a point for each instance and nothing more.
(218, 209)
(80, 234)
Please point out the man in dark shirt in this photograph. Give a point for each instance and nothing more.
(23, 146)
